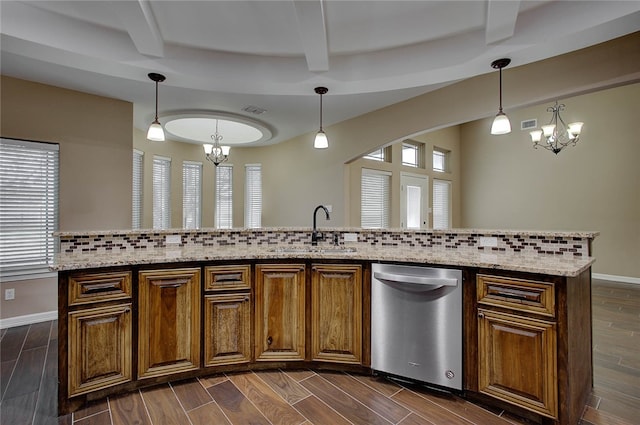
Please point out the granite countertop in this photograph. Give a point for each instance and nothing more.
(541, 264)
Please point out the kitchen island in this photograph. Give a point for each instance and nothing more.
(141, 307)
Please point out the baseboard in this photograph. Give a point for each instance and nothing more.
(614, 278)
(28, 319)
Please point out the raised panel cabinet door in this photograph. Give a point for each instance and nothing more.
(227, 333)
(336, 310)
(169, 321)
(280, 312)
(99, 348)
(517, 361)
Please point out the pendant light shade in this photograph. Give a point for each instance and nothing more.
(321, 141)
(501, 124)
(155, 132)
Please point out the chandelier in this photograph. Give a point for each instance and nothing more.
(557, 134)
(214, 152)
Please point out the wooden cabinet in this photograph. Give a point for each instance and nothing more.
(279, 312)
(227, 317)
(517, 340)
(168, 321)
(336, 313)
(99, 348)
(99, 329)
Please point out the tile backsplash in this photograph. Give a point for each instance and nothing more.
(575, 244)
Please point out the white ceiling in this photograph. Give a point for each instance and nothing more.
(223, 56)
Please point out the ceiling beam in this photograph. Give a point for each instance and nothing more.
(501, 20)
(313, 33)
(141, 25)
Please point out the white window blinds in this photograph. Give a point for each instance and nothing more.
(28, 206)
(441, 204)
(161, 192)
(136, 198)
(224, 197)
(191, 194)
(253, 196)
(375, 194)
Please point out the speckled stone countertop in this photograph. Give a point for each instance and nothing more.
(541, 264)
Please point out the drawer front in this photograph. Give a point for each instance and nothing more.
(85, 288)
(517, 294)
(224, 278)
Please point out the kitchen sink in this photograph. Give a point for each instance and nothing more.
(313, 249)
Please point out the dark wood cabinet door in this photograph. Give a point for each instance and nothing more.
(517, 360)
(169, 321)
(99, 348)
(336, 310)
(227, 329)
(280, 312)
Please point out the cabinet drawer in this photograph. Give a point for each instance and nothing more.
(87, 288)
(223, 278)
(517, 294)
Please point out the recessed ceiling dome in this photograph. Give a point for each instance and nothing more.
(199, 127)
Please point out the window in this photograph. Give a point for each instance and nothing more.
(224, 197)
(161, 192)
(28, 206)
(441, 204)
(253, 196)
(191, 194)
(382, 155)
(375, 199)
(412, 153)
(440, 160)
(136, 199)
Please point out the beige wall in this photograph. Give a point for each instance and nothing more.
(592, 186)
(94, 134)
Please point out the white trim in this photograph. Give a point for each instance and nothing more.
(28, 319)
(614, 278)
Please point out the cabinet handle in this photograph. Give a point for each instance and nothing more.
(231, 277)
(170, 283)
(269, 340)
(93, 288)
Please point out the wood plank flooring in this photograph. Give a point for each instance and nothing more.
(28, 379)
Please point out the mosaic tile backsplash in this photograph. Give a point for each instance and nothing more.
(574, 244)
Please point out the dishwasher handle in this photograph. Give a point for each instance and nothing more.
(431, 282)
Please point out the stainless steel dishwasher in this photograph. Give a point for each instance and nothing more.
(416, 323)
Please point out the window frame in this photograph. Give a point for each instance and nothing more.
(384, 194)
(444, 154)
(253, 196)
(161, 192)
(191, 194)
(418, 149)
(436, 202)
(25, 253)
(224, 219)
(137, 186)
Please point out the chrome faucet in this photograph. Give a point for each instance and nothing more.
(316, 236)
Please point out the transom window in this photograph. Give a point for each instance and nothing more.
(440, 160)
(412, 153)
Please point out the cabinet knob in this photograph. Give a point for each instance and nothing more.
(481, 315)
(269, 340)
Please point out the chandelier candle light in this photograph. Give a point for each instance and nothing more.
(156, 133)
(214, 152)
(557, 135)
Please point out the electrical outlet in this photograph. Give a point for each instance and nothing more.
(350, 237)
(329, 207)
(172, 239)
(10, 294)
(490, 241)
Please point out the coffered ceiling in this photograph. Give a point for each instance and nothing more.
(227, 56)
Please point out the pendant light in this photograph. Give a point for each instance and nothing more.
(501, 124)
(321, 141)
(156, 133)
(215, 152)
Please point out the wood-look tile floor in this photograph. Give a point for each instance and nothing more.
(28, 356)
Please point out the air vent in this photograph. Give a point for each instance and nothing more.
(528, 124)
(254, 110)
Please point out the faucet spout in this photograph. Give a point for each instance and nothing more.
(315, 236)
